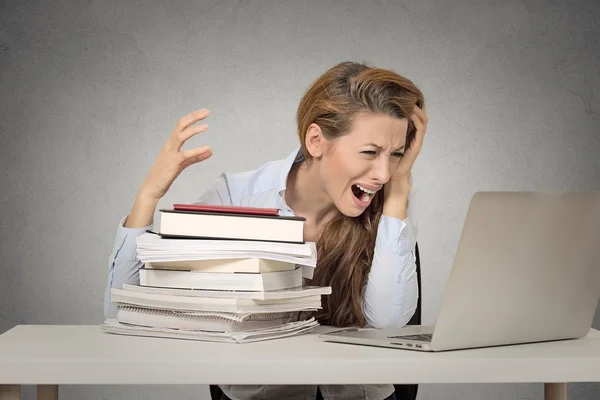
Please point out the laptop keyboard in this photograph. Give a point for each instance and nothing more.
(424, 337)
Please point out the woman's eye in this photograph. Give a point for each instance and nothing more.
(370, 152)
(398, 154)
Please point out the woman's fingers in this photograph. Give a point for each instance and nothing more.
(185, 128)
(195, 155)
(418, 139)
(419, 120)
(421, 114)
(171, 160)
(190, 119)
(183, 131)
(184, 135)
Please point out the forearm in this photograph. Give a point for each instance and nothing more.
(395, 206)
(391, 292)
(142, 212)
(390, 297)
(395, 200)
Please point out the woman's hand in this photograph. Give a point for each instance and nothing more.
(397, 188)
(403, 171)
(171, 160)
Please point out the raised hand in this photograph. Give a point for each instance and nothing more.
(397, 189)
(419, 119)
(171, 160)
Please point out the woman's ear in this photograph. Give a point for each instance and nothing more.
(315, 141)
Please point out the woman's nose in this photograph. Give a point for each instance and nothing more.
(381, 171)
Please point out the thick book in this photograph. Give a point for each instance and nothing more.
(215, 225)
(292, 293)
(122, 298)
(242, 265)
(152, 247)
(221, 281)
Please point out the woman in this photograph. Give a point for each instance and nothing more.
(361, 129)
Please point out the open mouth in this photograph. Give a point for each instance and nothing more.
(362, 193)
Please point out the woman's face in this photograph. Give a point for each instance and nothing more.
(358, 164)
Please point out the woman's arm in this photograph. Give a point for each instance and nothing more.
(124, 263)
(391, 293)
(142, 212)
(171, 161)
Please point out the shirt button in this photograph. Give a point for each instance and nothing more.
(402, 236)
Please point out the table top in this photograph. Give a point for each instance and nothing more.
(83, 354)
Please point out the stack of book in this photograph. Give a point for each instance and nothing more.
(220, 273)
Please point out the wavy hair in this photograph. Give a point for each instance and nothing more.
(346, 245)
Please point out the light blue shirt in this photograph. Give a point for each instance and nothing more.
(389, 297)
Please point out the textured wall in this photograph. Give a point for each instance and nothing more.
(90, 91)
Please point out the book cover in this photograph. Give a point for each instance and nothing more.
(220, 208)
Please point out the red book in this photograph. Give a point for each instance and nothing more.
(219, 208)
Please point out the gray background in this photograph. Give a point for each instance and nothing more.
(91, 90)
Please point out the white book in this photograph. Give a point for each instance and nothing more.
(184, 255)
(151, 248)
(152, 242)
(278, 228)
(239, 306)
(302, 291)
(221, 315)
(285, 330)
(157, 318)
(225, 265)
(155, 262)
(221, 281)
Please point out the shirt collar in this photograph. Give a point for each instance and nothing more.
(294, 157)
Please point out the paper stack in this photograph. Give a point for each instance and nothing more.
(244, 286)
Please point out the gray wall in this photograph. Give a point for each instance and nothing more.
(90, 91)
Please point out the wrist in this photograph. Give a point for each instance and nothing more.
(146, 201)
(146, 197)
(395, 205)
(142, 212)
(398, 188)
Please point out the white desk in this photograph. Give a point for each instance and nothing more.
(48, 356)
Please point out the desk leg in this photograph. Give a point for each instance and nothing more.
(47, 392)
(555, 391)
(10, 392)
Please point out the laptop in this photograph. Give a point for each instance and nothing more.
(527, 269)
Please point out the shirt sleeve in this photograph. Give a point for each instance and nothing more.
(124, 264)
(390, 295)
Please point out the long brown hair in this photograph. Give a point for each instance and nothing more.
(346, 244)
